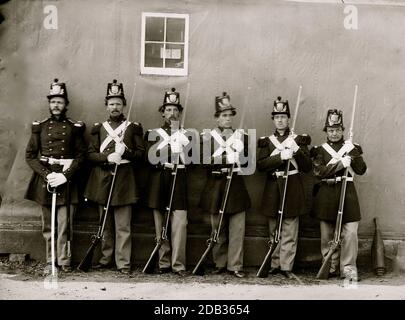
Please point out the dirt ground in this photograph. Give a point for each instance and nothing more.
(24, 281)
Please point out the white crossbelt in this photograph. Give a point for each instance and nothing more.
(112, 134)
(177, 137)
(232, 145)
(337, 156)
(280, 147)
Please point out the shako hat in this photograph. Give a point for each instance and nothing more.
(171, 98)
(58, 89)
(115, 90)
(334, 119)
(281, 107)
(223, 103)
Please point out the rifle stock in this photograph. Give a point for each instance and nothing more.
(323, 272)
(265, 267)
(86, 263)
(199, 269)
(150, 264)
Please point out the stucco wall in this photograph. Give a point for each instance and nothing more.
(272, 46)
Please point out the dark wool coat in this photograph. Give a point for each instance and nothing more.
(160, 176)
(295, 198)
(126, 189)
(327, 195)
(214, 189)
(60, 139)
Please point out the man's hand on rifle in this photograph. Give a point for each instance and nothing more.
(291, 144)
(114, 158)
(286, 154)
(346, 160)
(232, 157)
(56, 179)
(120, 148)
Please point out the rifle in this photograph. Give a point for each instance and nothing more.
(265, 266)
(85, 264)
(334, 245)
(69, 222)
(198, 269)
(150, 264)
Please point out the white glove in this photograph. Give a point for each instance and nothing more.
(56, 179)
(176, 147)
(346, 161)
(349, 144)
(291, 144)
(120, 148)
(232, 157)
(114, 158)
(286, 154)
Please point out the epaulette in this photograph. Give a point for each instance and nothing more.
(96, 128)
(303, 139)
(263, 142)
(36, 125)
(359, 149)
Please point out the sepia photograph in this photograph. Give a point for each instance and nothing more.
(202, 157)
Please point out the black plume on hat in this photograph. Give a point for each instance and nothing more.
(281, 107)
(223, 103)
(58, 89)
(115, 90)
(171, 98)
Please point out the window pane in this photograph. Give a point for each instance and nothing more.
(153, 56)
(174, 56)
(154, 29)
(175, 30)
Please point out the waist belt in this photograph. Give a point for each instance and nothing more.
(66, 163)
(281, 173)
(336, 180)
(225, 170)
(168, 165)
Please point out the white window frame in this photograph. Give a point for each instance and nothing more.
(165, 71)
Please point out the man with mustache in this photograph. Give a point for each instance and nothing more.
(163, 150)
(115, 142)
(55, 152)
(329, 163)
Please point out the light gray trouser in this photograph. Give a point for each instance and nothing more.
(61, 228)
(120, 217)
(228, 251)
(347, 255)
(284, 254)
(172, 253)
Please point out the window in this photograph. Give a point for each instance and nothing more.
(164, 48)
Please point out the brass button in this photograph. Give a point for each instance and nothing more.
(64, 133)
(50, 121)
(49, 128)
(49, 134)
(50, 149)
(61, 157)
(64, 127)
(63, 148)
(64, 120)
(63, 140)
(50, 141)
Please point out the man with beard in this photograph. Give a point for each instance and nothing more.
(165, 145)
(106, 150)
(273, 154)
(329, 163)
(55, 152)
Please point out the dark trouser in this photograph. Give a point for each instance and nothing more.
(172, 253)
(228, 251)
(120, 217)
(61, 230)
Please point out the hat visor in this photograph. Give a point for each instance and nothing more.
(49, 96)
(333, 126)
(162, 107)
(218, 112)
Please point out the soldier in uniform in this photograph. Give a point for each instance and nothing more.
(166, 149)
(228, 251)
(115, 142)
(329, 163)
(55, 152)
(273, 154)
